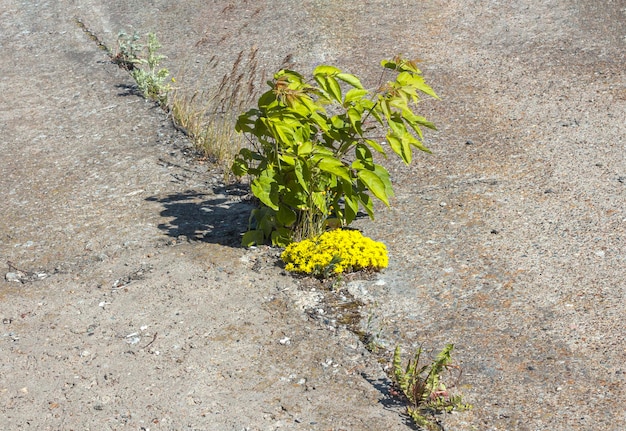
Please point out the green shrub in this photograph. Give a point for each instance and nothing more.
(334, 252)
(312, 159)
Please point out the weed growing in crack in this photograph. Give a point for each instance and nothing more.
(423, 388)
(372, 338)
(128, 50)
(143, 61)
(207, 117)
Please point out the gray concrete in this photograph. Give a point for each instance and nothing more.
(507, 241)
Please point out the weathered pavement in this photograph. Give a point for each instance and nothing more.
(508, 241)
(133, 326)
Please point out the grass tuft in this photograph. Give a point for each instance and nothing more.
(208, 116)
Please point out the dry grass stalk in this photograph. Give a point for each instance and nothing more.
(208, 116)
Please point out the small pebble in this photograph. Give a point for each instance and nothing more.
(14, 276)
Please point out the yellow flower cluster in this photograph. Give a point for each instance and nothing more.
(335, 251)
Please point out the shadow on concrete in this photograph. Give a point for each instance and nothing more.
(126, 90)
(213, 218)
(389, 401)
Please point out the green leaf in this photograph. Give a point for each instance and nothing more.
(374, 108)
(376, 146)
(288, 159)
(282, 132)
(248, 154)
(388, 64)
(359, 165)
(266, 100)
(395, 143)
(291, 75)
(319, 200)
(303, 175)
(252, 237)
(334, 89)
(367, 204)
(384, 176)
(332, 166)
(329, 85)
(320, 121)
(355, 120)
(322, 81)
(402, 103)
(285, 216)
(281, 237)
(350, 79)
(397, 125)
(326, 70)
(408, 78)
(425, 88)
(295, 196)
(299, 106)
(262, 188)
(407, 152)
(415, 81)
(264, 220)
(304, 149)
(311, 105)
(364, 155)
(420, 146)
(353, 95)
(240, 167)
(373, 182)
(415, 121)
(323, 151)
(385, 108)
(351, 208)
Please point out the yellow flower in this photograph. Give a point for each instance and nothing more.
(335, 251)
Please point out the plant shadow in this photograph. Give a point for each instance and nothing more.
(126, 90)
(389, 401)
(220, 217)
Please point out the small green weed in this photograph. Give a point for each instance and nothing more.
(206, 116)
(142, 61)
(370, 337)
(128, 50)
(423, 387)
